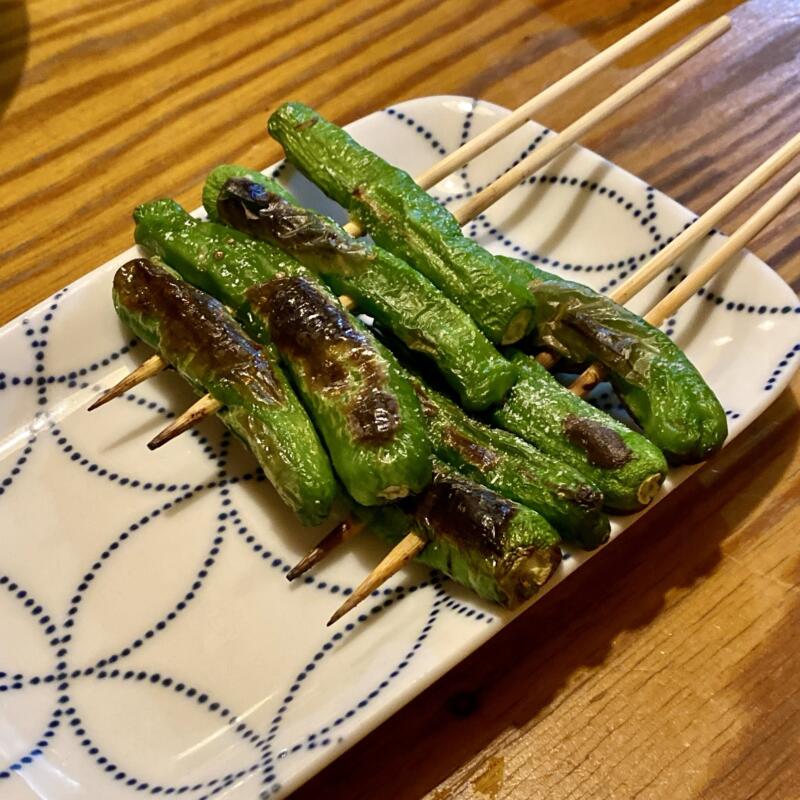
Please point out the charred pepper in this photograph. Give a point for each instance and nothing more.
(627, 468)
(406, 220)
(366, 412)
(515, 469)
(662, 389)
(383, 286)
(195, 334)
(498, 548)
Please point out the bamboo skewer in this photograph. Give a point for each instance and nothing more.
(483, 141)
(339, 535)
(147, 369)
(684, 290)
(517, 118)
(396, 559)
(196, 413)
(398, 556)
(595, 372)
(700, 227)
(505, 183)
(744, 234)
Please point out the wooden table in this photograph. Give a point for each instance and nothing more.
(669, 667)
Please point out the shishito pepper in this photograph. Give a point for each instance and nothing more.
(515, 469)
(662, 389)
(195, 334)
(406, 220)
(498, 548)
(366, 412)
(626, 467)
(383, 286)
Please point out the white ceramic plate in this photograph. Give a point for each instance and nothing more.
(149, 642)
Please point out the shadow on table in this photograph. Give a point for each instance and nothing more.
(514, 677)
(14, 31)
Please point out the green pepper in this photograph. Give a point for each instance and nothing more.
(405, 219)
(383, 286)
(627, 468)
(662, 389)
(515, 469)
(498, 548)
(365, 411)
(195, 334)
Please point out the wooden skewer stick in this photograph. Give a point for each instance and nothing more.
(596, 372)
(395, 560)
(152, 366)
(517, 118)
(504, 184)
(700, 227)
(744, 234)
(339, 535)
(483, 141)
(699, 277)
(204, 407)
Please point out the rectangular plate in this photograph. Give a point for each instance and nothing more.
(149, 642)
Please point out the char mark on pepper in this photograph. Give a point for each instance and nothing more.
(466, 512)
(604, 447)
(316, 332)
(472, 452)
(193, 320)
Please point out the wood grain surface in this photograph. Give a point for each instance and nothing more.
(669, 666)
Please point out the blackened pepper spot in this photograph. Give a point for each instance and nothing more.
(194, 323)
(604, 447)
(470, 450)
(583, 496)
(313, 330)
(374, 417)
(618, 345)
(428, 407)
(467, 513)
(249, 207)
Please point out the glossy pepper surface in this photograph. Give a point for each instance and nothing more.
(515, 469)
(662, 389)
(406, 220)
(195, 334)
(626, 467)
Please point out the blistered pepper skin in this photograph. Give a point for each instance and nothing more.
(404, 219)
(195, 334)
(662, 389)
(382, 285)
(498, 548)
(626, 467)
(367, 414)
(515, 469)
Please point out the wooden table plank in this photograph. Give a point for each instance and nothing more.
(667, 667)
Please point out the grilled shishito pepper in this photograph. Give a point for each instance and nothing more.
(406, 220)
(384, 287)
(366, 412)
(662, 389)
(515, 469)
(195, 334)
(627, 468)
(498, 548)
